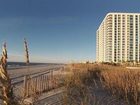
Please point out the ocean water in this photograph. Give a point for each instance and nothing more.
(17, 65)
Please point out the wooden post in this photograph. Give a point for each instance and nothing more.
(48, 86)
(38, 81)
(25, 86)
(45, 82)
(40, 84)
(51, 79)
(35, 85)
(28, 88)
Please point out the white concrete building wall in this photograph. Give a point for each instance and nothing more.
(118, 38)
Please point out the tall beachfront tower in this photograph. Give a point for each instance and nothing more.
(118, 38)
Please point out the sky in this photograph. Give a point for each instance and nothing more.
(56, 30)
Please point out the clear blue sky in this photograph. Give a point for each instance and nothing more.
(57, 30)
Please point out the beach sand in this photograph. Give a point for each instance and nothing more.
(17, 74)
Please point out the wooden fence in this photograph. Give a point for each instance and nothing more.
(39, 83)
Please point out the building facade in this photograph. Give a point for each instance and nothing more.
(118, 38)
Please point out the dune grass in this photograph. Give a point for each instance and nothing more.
(117, 81)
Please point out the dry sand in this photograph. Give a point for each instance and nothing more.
(17, 74)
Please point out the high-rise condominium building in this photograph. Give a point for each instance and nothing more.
(118, 38)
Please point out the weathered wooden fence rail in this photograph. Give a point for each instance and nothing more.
(39, 83)
(20, 79)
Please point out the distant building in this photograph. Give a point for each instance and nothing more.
(118, 38)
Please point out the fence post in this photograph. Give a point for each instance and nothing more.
(52, 81)
(41, 83)
(48, 81)
(25, 85)
(37, 86)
